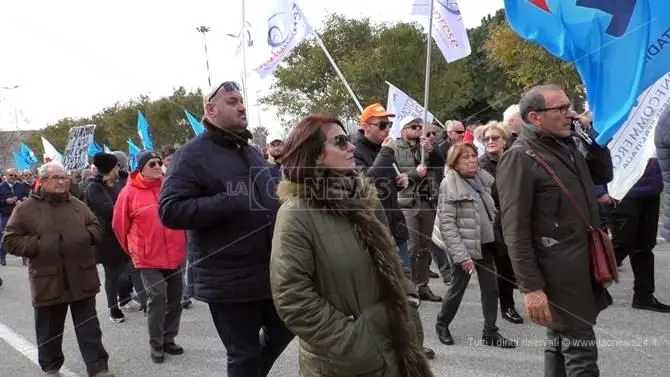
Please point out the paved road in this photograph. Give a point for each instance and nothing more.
(634, 343)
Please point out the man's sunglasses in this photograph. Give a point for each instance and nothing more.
(458, 132)
(415, 127)
(384, 124)
(153, 164)
(227, 86)
(431, 133)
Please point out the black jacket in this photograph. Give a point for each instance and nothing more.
(376, 162)
(101, 199)
(221, 190)
(19, 190)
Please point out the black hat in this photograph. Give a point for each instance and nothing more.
(104, 162)
(144, 157)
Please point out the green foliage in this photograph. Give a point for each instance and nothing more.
(115, 124)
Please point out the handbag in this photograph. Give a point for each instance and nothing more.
(603, 262)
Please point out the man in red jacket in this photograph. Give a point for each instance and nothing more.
(157, 252)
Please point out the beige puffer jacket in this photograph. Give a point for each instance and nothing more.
(457, 221)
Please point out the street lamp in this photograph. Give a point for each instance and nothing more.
(204, 30)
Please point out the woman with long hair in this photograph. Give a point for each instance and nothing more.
(336, 277)
(464, 229)
(101, 195)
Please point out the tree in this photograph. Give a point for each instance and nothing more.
(369, 54)
(528, 64)
(116, 123)
(260, 135)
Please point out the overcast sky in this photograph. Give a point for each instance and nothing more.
(74, 57)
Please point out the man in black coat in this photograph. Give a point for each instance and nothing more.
(221, 190)
(12, 192)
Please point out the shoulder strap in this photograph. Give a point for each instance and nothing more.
(565, 190)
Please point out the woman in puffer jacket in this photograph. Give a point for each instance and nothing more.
(157, 252)
(464, 229)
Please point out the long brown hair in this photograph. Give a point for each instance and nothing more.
(304, 145)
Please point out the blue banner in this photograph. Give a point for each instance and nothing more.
(195, 123)
(617, 46)
(20, 161)
(27, 155)
(143, 131)
(133, 150)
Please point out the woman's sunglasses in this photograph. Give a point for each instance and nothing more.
(153, 164)
(341, 141)
(494, 138)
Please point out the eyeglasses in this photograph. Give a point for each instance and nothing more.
(57, 178)
(382, 125)
(227, 86)
(460, 132)
(415, 127)
(431, 133)
(12, 175)
(153, 164)
(341, 141)
(494, 138)
(563, 109)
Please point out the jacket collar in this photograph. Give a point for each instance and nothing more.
(458, 189)
(137, 180)
(227, 138)
(367, 142)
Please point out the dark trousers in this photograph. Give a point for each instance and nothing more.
(3, 224)
(239, 325)
(118, 286)
(506, 281)
(49, 326)
(488, 286)
(138, 284)
(571, 353)
(163, 289)
(420, 225)
(634, 225)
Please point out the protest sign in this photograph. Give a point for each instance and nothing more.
(76, 153)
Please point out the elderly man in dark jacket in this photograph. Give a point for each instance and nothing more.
(57, 233)
(548, 243)
(634, 225)
(222, 191)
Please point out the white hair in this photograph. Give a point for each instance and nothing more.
(451, 123)
(511, 113)
(43, 171)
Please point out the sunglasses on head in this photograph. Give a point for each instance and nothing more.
(227, 86)
(153, 164)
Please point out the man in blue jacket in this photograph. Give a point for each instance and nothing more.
(12, 192)
(634, 226)
(220, 189)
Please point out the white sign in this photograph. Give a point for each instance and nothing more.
(449, 31)
(76, 153)
(402, 106)
(633, 145)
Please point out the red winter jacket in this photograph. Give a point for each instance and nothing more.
(141, 232)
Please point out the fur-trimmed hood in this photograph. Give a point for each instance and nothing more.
(355, 199)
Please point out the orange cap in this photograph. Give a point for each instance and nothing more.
(375, 110)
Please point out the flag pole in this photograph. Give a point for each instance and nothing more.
(244, 49)
(339, 73)
(426, 88)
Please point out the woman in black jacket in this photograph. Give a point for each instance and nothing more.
(101, 196)
(496, 140)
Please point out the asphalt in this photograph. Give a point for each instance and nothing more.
(632, 342)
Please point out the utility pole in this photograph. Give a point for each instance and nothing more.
(204, 30)
(245, 43)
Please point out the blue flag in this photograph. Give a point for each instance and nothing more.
(195, 123)
(20, 161)
(27, 155)
(143, 131)
(133, 150)
(617, 46)
(93, 149)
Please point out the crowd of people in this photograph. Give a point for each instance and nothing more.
(330, 237)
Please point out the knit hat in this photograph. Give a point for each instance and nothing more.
(122, 159)
(144, 157)
(104, 162)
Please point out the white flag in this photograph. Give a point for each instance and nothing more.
(277, 28)
(402, 106)
(449, 31)
(633, 145)
(50, 152)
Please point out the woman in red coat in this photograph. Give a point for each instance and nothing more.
(157, 252)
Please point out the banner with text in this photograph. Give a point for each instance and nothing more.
(633, 145)
(76, 152)
(402, 106)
